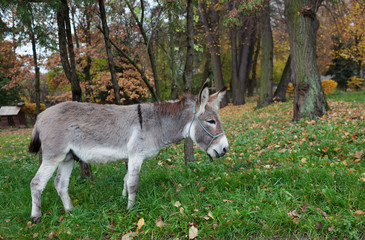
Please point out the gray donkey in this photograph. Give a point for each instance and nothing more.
(97, 133)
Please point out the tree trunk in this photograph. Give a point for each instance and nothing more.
(280, 93)
(148, 44)
(87, 68)
(206, 70)
(66, 53)
(309, 99)
(252, 81)
(246, 40)
(211, 27)
(67, 50)
(36, 69)
(108, 47)
(174, 88)
(266, 77)
(188, 72)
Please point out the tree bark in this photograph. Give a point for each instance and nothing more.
(252, 81)
(280, 93)
(67, 50)
(246, 41)
(211, 27)
(188, 72)
(174, 88)
(266, 77)
(69, 66)
(309, 99)
(108, 47)
(36, 69)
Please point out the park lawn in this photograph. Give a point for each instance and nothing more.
(280, 179)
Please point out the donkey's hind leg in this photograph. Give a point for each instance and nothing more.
(62, 181)
(37, 186)
(124, 193)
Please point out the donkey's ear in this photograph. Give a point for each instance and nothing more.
(203, 98)
(217, 97)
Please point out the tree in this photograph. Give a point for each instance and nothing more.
(309, 99)
(108, 47)
(66, 49)
(280, 93)
(188, 72)
(147, 42)
(266, 77)
(209, 14)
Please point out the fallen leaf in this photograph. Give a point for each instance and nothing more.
(331, 228)
(159, 222)
(128, 236)
(304, 207)
(227, 200)
(35, 235)
(181, 210)
(178, 187)
(319, 225)
(7, 220)
(201, 189)
(293, 214)
(140, 224)
(303, 160)
(210, 215)
(193, 232)
(177, 204)
(324, 214)
(359, 213)
(358, 154)
(344, 162)
(336, 149)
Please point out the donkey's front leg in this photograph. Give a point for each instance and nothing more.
(134, 168)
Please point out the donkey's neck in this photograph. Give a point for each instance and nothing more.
(174, 119)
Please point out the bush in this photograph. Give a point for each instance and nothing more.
(355, 82)
(329, 86)
(30, 108)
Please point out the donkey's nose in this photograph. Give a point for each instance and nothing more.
(224, 150)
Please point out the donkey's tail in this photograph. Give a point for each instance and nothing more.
(35, 143)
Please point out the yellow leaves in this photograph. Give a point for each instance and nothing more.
(303, 160)
(329, 86)
(140, 224)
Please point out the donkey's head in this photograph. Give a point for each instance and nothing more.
(206, 129)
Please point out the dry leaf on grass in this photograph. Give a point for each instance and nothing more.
(140, 224)
(177, 204)
(159, 222)
(193, 232)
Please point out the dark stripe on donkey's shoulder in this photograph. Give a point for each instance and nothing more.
(139, 114)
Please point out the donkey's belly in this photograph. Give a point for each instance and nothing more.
(99, 154)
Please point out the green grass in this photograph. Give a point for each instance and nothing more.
(280, 179)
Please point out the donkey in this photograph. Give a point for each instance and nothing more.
(97, 133)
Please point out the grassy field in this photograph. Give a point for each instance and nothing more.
(280, 179)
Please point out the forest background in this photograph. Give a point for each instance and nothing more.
(141, 49)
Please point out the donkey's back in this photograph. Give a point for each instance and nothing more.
(92, 132)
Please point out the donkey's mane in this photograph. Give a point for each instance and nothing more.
(171, 108)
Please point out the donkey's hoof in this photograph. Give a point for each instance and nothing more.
(36, 220)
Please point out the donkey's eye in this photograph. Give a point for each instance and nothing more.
(211, 121)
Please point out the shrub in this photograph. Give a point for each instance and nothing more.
(355, 82)
(30, 108)
(329, 86)
(290, 89)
